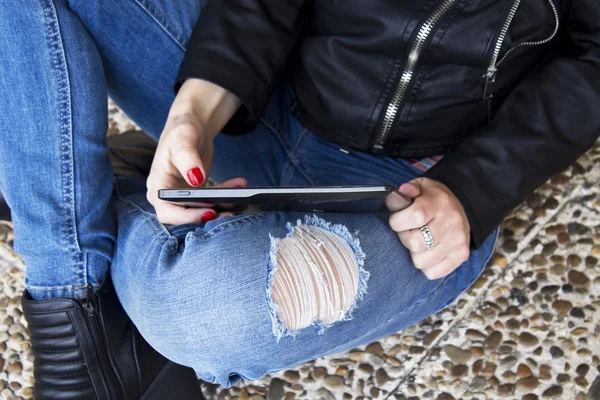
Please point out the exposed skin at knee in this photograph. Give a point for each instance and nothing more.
(316, 277)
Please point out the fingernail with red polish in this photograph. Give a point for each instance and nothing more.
(208, 216)
(195, 176)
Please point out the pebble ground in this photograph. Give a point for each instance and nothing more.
(527, 329)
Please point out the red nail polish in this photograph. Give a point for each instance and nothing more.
(208, 216)
(195, 176)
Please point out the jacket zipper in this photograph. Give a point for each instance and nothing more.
(99, 350)
(492, 70)
(415, 52)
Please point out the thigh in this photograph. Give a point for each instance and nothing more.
(200, 294)
(142, 44)
(54, 170)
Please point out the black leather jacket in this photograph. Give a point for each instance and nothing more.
(509, 90)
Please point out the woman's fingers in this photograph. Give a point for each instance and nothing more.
(185, 156)
(172, 214)
(185, 213)
(414, 239)
(232, 183)
(442, 268)
(420, 212)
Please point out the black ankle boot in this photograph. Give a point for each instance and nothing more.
(90, 349)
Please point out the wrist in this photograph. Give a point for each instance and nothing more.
(205, 102)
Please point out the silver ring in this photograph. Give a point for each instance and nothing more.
(428, 237)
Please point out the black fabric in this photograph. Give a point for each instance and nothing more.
(503, 136)
(4, 209)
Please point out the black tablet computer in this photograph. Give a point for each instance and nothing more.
(342, 199)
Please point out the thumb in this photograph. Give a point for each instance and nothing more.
(186, 159)
(411, 189)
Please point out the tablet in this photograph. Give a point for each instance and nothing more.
(342, 199)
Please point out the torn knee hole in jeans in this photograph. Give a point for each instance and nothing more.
(316, 276)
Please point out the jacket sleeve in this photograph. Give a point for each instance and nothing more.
(243, 46)
(543, 126)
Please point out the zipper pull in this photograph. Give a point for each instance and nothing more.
(490, 77)
(88, 304)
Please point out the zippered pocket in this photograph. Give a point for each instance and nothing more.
(496, 60)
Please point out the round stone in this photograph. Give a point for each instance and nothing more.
(510, 245)
(530, 396)
(550, 289)
(14, 368)
(337, 362)
(528, 384)
(563, 238)
(333, 382)
(550, 204)
(556, 229)
(577, 312)
(539, 260)
(527, 339)
(556, 352)
(582, 369)
(324, 394)
(493, 340)
(591, 261)
(562, 306)
(276, 389)
(534, 200)
(553, 392)
(513, 324)
(573, 260)
(549, 249)
(319, 373)
(578, 279)
(508, 362)
(366, 368)
(381, 377)
(562, 378)
(375, 348)
(457, 355)
(291, 376)
(523, 371)
(575, 228)
(460, 370)
(475, 334)
(506, 389)
(431, 336)
(27, 393)
(581, 331)
(558, 269)
(445, 396)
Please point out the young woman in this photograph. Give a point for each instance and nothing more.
(309, 93)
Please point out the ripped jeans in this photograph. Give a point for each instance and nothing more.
(231, 298)
(242, 296)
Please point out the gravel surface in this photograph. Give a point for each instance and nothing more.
(527, 329)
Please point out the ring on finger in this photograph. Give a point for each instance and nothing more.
(427, 235)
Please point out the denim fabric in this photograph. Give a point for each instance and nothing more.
(59, 60)
(199, 293)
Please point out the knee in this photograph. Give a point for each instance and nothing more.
(316, 276)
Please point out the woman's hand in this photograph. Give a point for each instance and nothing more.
(184, 154)
(435, 205)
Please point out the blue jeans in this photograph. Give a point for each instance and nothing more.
(199, 293)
